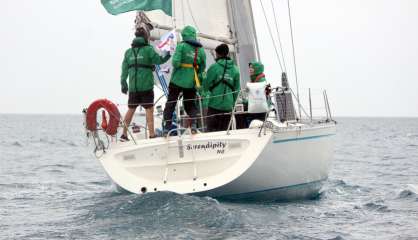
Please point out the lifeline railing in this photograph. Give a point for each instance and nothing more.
(309, 116)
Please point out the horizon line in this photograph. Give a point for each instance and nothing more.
(76, 114)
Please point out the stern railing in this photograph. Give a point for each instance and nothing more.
(316, 113)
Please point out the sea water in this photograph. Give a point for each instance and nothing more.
(52, 187)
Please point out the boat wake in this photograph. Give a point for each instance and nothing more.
(341, 188)
(155, 210)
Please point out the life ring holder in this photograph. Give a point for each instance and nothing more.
(112, 110)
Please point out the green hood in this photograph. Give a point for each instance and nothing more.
(258, 69)
(188, 33)
(139, 41)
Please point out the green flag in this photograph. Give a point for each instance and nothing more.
(116, 7)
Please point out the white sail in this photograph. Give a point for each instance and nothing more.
(244, 29)
(210, 17)
(217, 21)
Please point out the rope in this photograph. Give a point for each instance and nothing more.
(278, 35)
(300, 106)
(99, 145)
(271, 35)
(191, 14)
(294, 59)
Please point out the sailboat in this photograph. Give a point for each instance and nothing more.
(287, 156)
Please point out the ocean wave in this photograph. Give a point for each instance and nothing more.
(17, 144)
(406, 194)
(304, 237)
(23, 199)
(25, 191)
(57, 142)
(340, 187)
(46, 140)
(55, 171)
(411, 191)
(165, 208)
(412, 135)
(336, 238)
(99, 183)
(391, 157)
(17, 185)
(91, 187)
(47, 167)
(68, 143)
(376, 206)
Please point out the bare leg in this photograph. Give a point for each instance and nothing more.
(128, 119)
(150, 121)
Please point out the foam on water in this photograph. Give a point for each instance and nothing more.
(52, 187)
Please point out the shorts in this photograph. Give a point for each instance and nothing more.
(145, 99)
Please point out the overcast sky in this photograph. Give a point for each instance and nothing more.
(58, 56)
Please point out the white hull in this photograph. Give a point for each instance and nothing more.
(288, 163)
(293, 165)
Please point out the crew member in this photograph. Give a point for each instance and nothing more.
(138, 65)
(189, 63)
(256, 70)
(223, 83)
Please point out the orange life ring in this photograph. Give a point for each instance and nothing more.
(114, 116)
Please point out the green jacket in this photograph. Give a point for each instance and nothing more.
(140, 78)
(258, 71)
(184, 54)
(219, 84)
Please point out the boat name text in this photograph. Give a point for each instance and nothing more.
(207, 146)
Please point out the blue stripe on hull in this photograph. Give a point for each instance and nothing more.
(293, 192)
(302, 138)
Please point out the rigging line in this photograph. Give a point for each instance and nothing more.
(182, 11)
(294, 57)
(254, 31)
(271, 35)
(173, 18)
(278, 35)
(191, 14)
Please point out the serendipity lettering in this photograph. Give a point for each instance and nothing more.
(207, 146)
